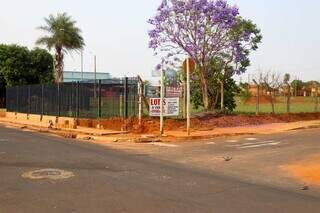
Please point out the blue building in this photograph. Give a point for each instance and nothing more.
(73, 76)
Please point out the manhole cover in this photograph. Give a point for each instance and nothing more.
(53, 174)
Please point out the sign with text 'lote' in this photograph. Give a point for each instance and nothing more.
(170, 107)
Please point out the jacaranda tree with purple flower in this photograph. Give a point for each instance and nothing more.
(204, 30)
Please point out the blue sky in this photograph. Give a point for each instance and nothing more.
(116, 31)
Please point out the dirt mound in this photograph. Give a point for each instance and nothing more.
(210, 122)
(207, 122)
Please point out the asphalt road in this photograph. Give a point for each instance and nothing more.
(107, 180)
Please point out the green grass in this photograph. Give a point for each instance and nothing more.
(298, 105)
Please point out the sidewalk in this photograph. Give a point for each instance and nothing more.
(176, 136)
(245, 130)
(44, 126)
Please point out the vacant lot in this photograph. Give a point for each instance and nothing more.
(298, 105)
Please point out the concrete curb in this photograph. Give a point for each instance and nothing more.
(69, 133)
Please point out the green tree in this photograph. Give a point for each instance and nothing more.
(20, 66)
(42, 66)
(14, 64)
(297, 85)
(63, 36)
(248, 34)
(214, 89)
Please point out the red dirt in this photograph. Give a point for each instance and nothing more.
(2, 114)
(207, 122)
(307, 171)
(112, 123)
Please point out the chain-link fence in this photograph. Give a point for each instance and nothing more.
(91, 99)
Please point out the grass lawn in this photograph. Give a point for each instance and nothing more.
(298, 105)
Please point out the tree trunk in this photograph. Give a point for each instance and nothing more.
(204, 89)
(272, 101)
(214, 103)
(288, 98)
(222, 95)
(59, 66)
(316, 108)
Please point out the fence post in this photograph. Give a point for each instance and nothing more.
(121, 105)
(126, 97)
(99, 99)
(29, 102)
(140, 85)
(17, 99)
(78, 100)
(59, 102)
(42, 101)
(316, 108)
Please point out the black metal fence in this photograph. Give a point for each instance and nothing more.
(103, 99)
(2, 97)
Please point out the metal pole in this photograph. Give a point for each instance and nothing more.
(95, 71)
(188, 96)
(140, 84)
(78, 100)
(81, 65)
(17, 99)
(126, 98)
(99, 99)
(42, 101)
(29, 101)
(59, 100)
(161, 100)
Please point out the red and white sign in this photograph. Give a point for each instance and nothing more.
(173, 92)
(170, 107)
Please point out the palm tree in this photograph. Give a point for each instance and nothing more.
(63, 36)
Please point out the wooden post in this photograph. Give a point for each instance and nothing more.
(188, 96)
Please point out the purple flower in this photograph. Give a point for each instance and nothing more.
(158, 67)
(199, 29)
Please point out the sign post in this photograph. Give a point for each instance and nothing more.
(189, 66)
(188, 96)
(161, 100)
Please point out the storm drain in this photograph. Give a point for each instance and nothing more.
(52, 174)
